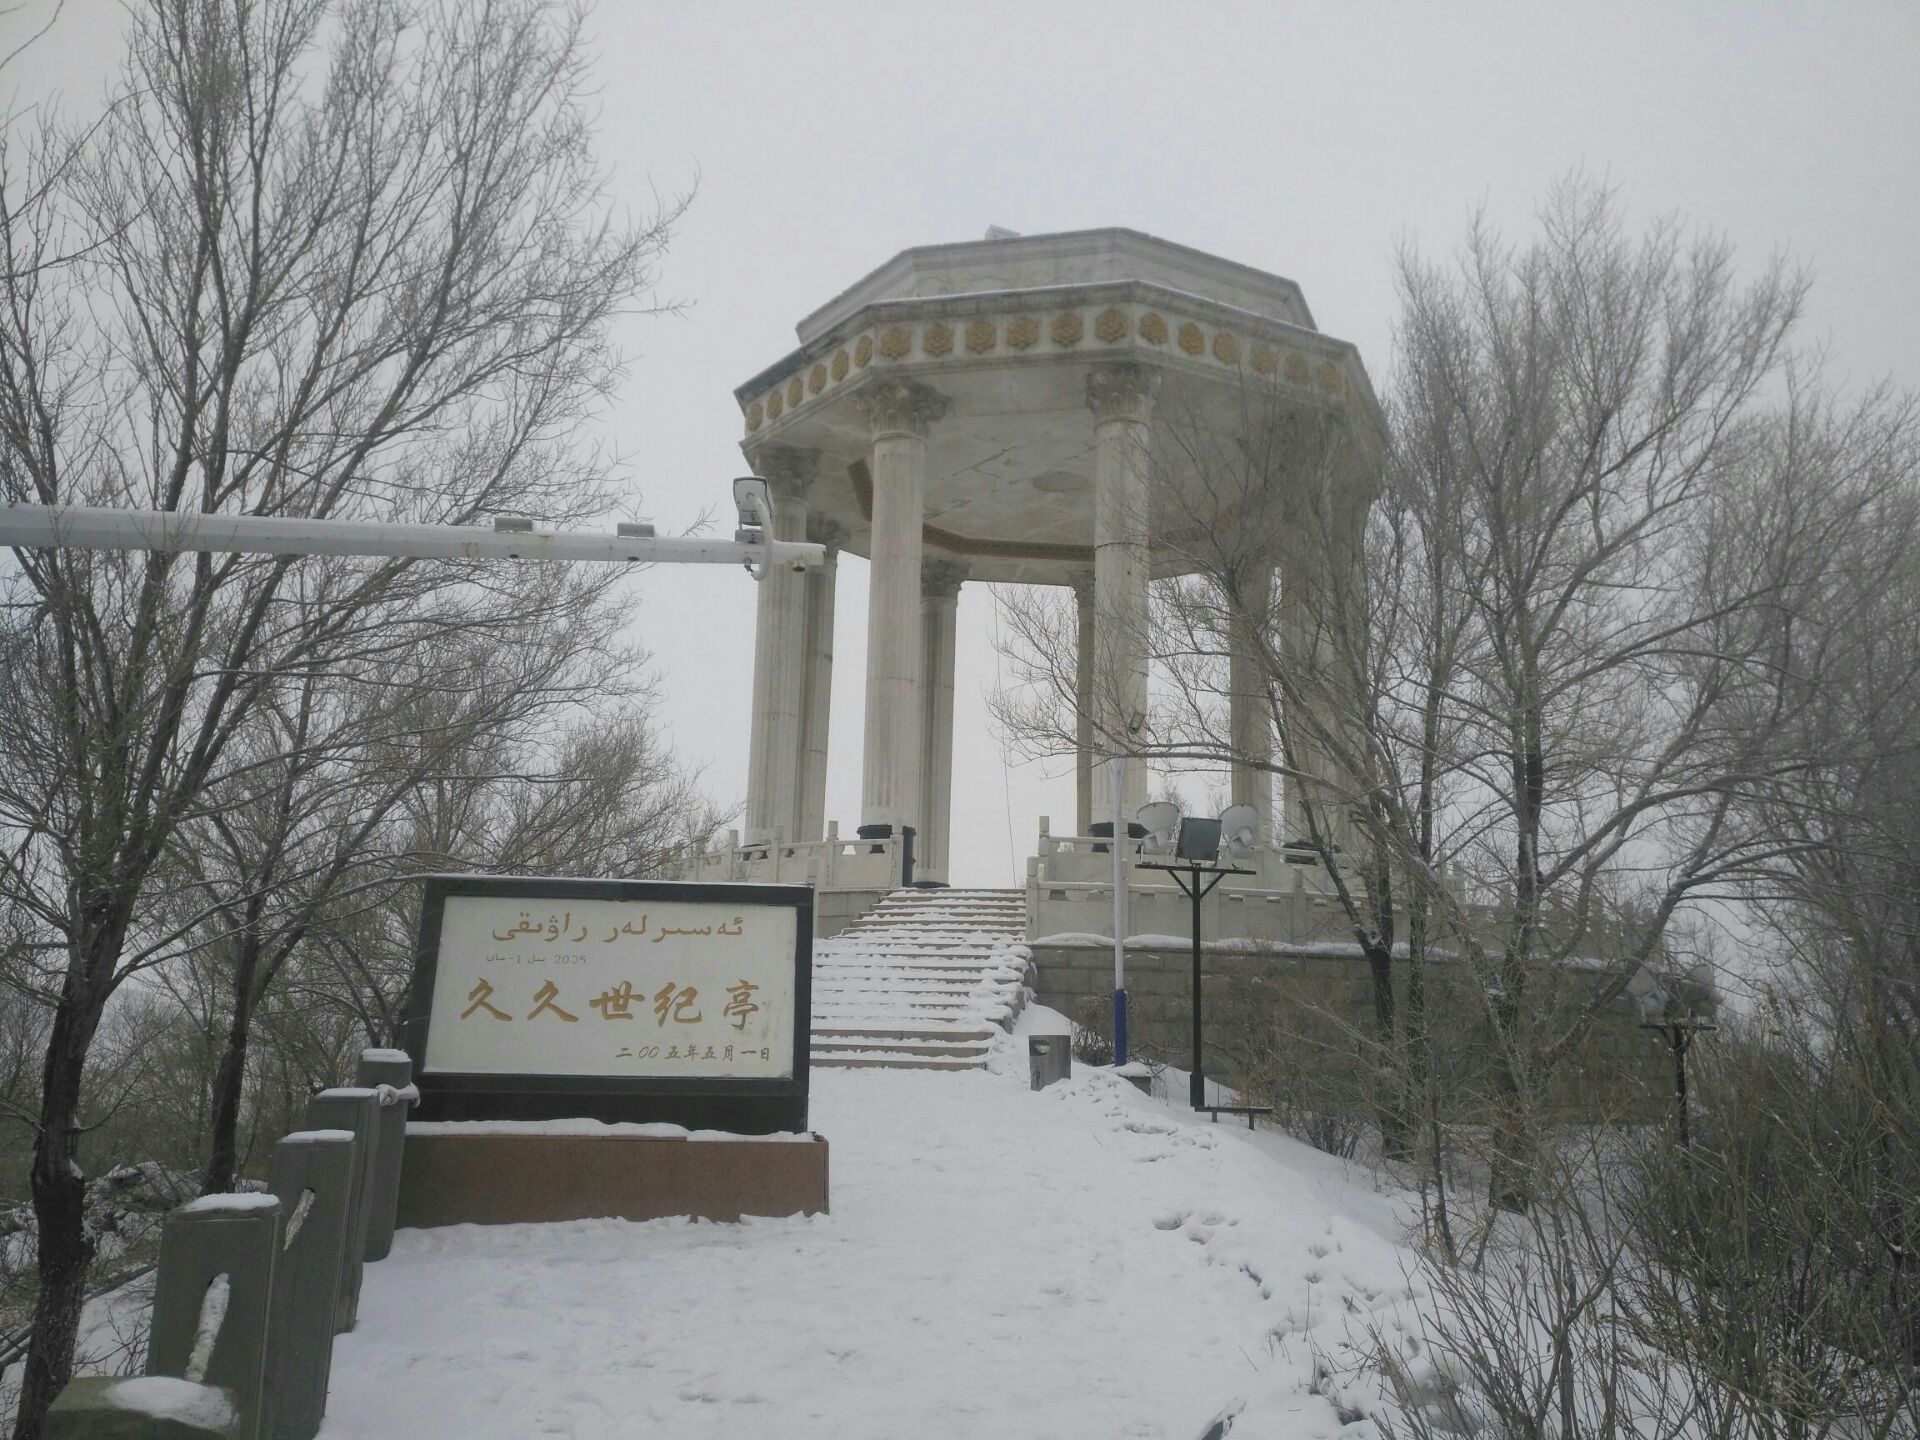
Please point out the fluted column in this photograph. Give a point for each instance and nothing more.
(940, 582)
(1249, 718)
(900, 412)
(817, 704)
(1083, 705)
(779, 654)
(1121, 398)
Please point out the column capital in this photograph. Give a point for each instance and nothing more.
(942, 579)
(900, 407)
(822, 530)
(789, 470)
(1122, 391)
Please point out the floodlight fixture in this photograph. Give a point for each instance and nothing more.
(1239, 832)
(1199, 840)
(1161, 821)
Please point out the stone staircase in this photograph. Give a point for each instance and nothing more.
(922, 981)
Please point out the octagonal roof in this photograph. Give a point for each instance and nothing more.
(1007, 331)
(1071, 257)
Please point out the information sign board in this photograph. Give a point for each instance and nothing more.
(615, 1000)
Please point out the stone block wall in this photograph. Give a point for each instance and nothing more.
(1300, 1021)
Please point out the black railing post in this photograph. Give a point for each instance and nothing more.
(1199, 1080)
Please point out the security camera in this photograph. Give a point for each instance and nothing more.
(750, 498)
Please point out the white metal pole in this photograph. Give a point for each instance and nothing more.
(88, 527)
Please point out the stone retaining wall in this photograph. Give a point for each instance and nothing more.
(1301, 1020)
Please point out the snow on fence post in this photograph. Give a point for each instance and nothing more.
(355, 1110)
(212, 1299)
(142, 1407)
(389, 1073)
(313, 1176)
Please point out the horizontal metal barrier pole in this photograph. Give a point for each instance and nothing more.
(92, 527)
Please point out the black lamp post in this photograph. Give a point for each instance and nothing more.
(1680, 1031)
(1196, 854)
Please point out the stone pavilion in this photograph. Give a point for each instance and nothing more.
(981, 412)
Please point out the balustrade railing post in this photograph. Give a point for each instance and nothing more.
(356, 1111)
(313, 1176)
(212, 1299)
(389, 1074)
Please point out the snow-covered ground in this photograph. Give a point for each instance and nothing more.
(1081, 1262)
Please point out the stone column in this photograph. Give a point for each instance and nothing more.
(1121, 398)
(1083, 705)
(1249, 718)
(779, 654)
(818, 703)
(940, 582)
(900, 412)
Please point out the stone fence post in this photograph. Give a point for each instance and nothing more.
(356, 1111)
(253, 1288)
(389, 1073)
(313, 1176)
(212, 1298)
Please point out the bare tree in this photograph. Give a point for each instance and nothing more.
(1541, 662)
(318, 260)
(297, 829)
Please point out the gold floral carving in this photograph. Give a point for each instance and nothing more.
(1191, 340)
(774, 405)
(1153, 328)
(1022, 331)
(863, 351)
(795, 391)
(1110, 326)
(817, 379)
(982, 336)
(895, 342)
(1226, 348)
(937, 338)
(1265, 362)
(753, 416)
(1330, 377)
(840, 364)
(1297, 367)
(1068, 327)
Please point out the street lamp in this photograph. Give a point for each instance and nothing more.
(1194, 848)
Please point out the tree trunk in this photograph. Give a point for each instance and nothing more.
(1510, 1171)
(59, 1208)
(1395, 1130)
(1510, 1175)
(229, 1080)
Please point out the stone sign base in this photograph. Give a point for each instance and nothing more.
(506, 1172)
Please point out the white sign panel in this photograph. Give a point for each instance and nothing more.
(613, 988)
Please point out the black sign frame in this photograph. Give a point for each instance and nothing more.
(746, 1106)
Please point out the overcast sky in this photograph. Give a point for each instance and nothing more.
(1308, 140)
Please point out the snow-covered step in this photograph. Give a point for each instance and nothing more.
(824, 1045)
(923, 980)
(899, 1032)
